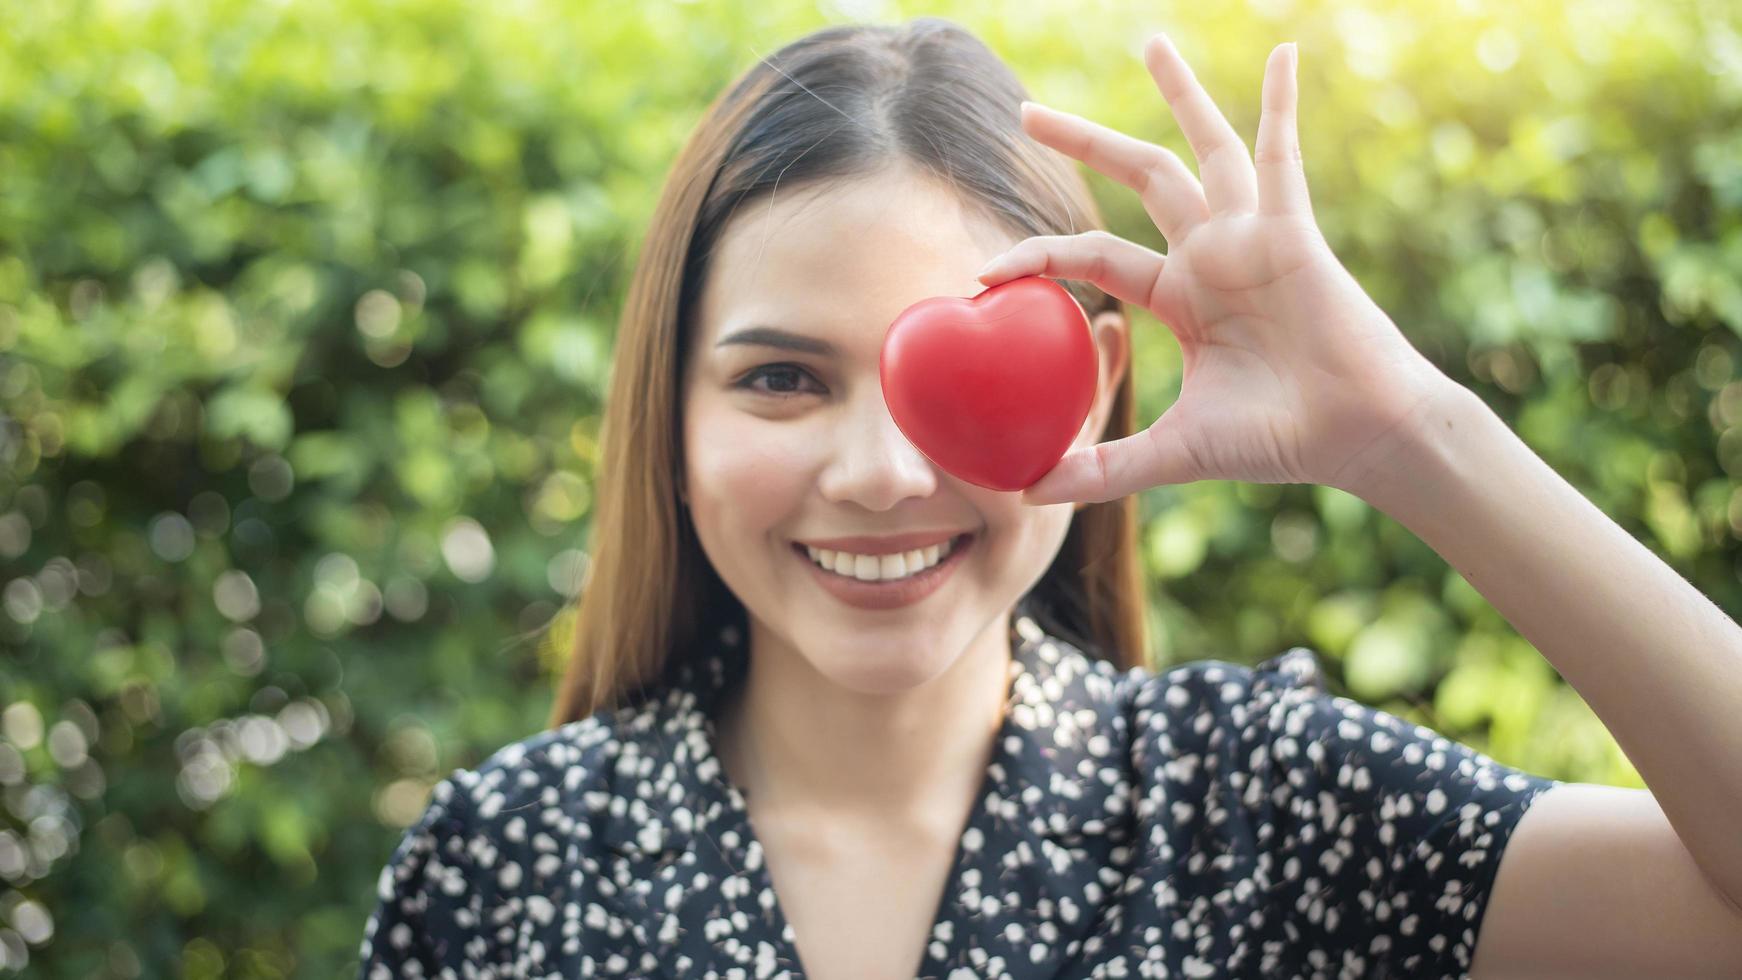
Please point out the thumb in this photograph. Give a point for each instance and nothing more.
(1152, 458)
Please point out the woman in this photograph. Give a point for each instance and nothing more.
(811, 664)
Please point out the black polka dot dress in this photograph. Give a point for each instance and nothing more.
(1212, 820)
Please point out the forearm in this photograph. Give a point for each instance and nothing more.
(1658, 662)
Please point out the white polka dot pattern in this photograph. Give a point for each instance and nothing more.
(1212, 820)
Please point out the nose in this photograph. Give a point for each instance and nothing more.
(872, 464)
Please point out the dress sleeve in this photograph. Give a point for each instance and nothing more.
(426, 915)
(1385, 835)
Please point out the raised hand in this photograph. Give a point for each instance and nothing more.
(1292, 374)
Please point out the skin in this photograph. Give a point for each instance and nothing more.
(878, 715)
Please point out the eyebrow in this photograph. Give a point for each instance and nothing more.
(774, 337)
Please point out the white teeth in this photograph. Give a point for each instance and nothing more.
(871, 568)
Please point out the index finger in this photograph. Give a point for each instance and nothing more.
(1169, 191)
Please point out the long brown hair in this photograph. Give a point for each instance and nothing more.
(837, 103)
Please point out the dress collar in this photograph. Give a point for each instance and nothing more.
(1053, 816)
(1061, 725)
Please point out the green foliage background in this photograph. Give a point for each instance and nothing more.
(306, 310)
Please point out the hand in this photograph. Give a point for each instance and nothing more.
(1292, 374)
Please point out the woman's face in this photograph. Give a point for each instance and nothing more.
(788, 442)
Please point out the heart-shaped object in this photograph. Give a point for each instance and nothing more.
(992, 388)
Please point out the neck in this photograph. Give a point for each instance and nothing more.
(793, 740)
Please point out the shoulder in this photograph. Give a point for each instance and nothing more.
(1205, 694)
(1272, 737)
(545, 769)
(505, 852)
(504, 817)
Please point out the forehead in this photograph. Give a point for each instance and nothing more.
(845, 255)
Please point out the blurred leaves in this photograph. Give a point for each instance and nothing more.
(306, 313)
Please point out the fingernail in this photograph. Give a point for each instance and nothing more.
(987, 268)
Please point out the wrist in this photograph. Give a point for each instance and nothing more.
(1438, 445)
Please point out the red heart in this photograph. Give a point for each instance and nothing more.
(993, 388)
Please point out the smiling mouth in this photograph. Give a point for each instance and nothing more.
(900, 567)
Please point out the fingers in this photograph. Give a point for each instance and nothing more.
(1151, 458)
(1170, 193)
(1282, 186)
(1086, 475)
(1125, 270)
(1223, 163)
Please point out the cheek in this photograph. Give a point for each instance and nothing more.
(1024, 539)
(745, 475)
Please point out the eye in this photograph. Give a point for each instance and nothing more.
(783, 379)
